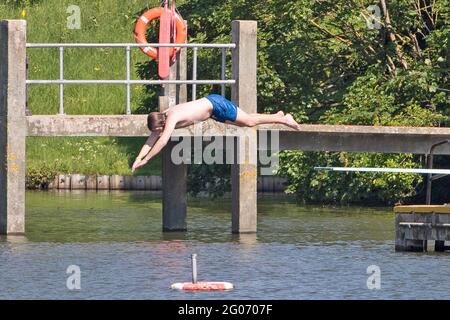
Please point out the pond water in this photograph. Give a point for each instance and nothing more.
(299, 252)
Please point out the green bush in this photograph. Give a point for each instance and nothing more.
(320, 61)
(39, 177)
(102, 21)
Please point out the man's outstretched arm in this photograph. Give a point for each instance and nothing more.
(146, 148)
(157, 147)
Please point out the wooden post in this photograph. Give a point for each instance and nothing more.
(102, 182)
(152, 183)
(64, 181)
(411, 245)
(439, 246)
(77, 182)
(244, 174)
(402, 243)
(54, 183)
(127, 182)
(138, 183)
(116, 182)
(174, 176)
(91, 182)
(12, 126)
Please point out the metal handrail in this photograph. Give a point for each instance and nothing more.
(128, 82)
(430, 177)
(193, 82)
(131, 45)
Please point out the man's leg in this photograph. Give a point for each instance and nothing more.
(254, 119)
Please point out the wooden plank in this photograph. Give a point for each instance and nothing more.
(64, 181)
(54, 183)
(91, 182)
(102, 182)
(116, 182)
(127, 182)
(422, 209)
(138, 183)
(78, 182)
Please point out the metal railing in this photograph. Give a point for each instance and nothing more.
(431, 177)
(127, 81)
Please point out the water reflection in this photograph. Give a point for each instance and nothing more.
(16, 239)
(174, 235)
(299, 252)
(245, 238)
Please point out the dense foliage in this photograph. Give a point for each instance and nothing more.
(336, 62)
(324, 61)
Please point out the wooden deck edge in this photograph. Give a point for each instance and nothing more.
(422, 209)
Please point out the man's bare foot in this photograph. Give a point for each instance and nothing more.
(291, 122)
(280, 113)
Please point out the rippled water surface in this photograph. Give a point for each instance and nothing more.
(299, 252)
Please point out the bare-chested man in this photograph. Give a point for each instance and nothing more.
(214, 106)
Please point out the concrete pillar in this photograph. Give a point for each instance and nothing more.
(12, 126)
(174, 176)
(243, 93)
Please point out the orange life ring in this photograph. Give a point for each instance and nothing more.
(141, 31)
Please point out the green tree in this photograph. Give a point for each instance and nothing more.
(332, 62)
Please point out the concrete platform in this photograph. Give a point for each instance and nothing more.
(310, 137)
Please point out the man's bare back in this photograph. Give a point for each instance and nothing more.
(186, 114)
(162, 124)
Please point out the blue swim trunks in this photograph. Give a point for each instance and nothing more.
(223, 109)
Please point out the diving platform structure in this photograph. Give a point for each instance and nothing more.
(15, 126)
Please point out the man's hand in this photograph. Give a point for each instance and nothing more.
(138, 163)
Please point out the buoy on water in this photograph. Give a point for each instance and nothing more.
(202, 285)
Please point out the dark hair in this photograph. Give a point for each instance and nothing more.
(155, 120)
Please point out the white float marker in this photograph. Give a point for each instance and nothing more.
(200, 286)
(194, 268)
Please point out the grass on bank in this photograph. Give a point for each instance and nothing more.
(101, 21)
(87, 155)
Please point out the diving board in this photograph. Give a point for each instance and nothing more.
(399, 170)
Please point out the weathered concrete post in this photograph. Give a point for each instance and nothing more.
(244, 172)
(174, 176)
(12, 126)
